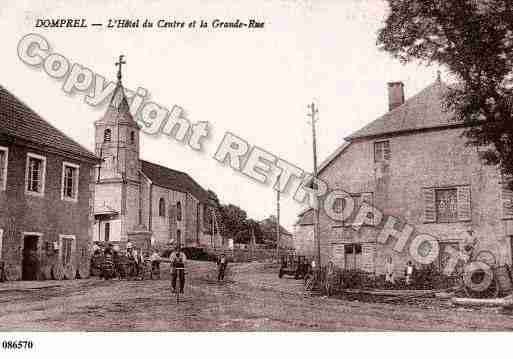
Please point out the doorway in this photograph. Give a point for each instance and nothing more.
(30, 257)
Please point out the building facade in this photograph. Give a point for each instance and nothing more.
(45, 197)
(413, 164)
(136, 199)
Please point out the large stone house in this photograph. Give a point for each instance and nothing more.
(140, 201)
(45, 197)
(412, 163)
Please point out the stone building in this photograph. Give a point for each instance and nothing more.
(45, 197)
(303, 234)
(412, 164)
(139, 201)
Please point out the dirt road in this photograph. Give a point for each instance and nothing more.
(252, 299)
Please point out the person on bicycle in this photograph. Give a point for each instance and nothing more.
(222, 263)
(177, 268)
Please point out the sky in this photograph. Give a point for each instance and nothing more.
(253, 83)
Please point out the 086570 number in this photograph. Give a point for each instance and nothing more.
(17, 344)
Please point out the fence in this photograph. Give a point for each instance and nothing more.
(248, 255)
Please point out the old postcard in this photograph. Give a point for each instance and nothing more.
(275, 166)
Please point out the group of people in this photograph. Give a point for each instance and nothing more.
(110, 262)
(390, 276)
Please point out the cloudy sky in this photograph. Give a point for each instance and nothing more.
(253, 83)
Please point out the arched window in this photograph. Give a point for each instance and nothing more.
(178, 211)
(132, 137)
(107, 135)
(162, 208)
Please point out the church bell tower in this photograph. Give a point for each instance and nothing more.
(117, 137)
(117, 191)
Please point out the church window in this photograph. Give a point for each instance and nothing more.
(178, 211)
(178, 236)
(132, 137)
(162, 208)
(107, 135)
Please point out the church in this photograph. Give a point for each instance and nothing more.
(140, 201)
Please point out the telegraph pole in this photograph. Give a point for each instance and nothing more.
(317, 239)
(278, 220)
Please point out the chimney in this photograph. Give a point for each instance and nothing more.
(395, 95)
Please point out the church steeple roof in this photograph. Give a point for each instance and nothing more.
(118, 111)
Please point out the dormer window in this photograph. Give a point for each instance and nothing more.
(107, 135)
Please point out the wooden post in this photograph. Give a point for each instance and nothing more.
(317, 239)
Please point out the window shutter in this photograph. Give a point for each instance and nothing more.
(386, 150)
(507, 202)
(429, 205)
(464, 206)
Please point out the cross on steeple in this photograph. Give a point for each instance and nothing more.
(118, 64)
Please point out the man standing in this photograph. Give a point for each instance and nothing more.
(222, 263)
(177, 268)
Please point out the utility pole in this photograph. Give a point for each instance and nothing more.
(317, 239)
(278, 220)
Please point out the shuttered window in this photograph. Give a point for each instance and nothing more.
(507, 202)
(464, 201)
(447, 205)
(382, 151)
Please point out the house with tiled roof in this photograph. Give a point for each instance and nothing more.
(45, 197)
(412, 165)
(138, 201)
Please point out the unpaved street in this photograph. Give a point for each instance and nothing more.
(253, 298)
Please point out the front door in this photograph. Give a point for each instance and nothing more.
(30, 259)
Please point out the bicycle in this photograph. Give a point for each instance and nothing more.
(177, 290)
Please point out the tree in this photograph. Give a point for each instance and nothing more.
(473, 39)
(234, 220)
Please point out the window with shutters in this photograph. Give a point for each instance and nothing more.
(35, 174)
(3, 167)
(382, 151)
(446, 202)
(507, 202)
(447, 205)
